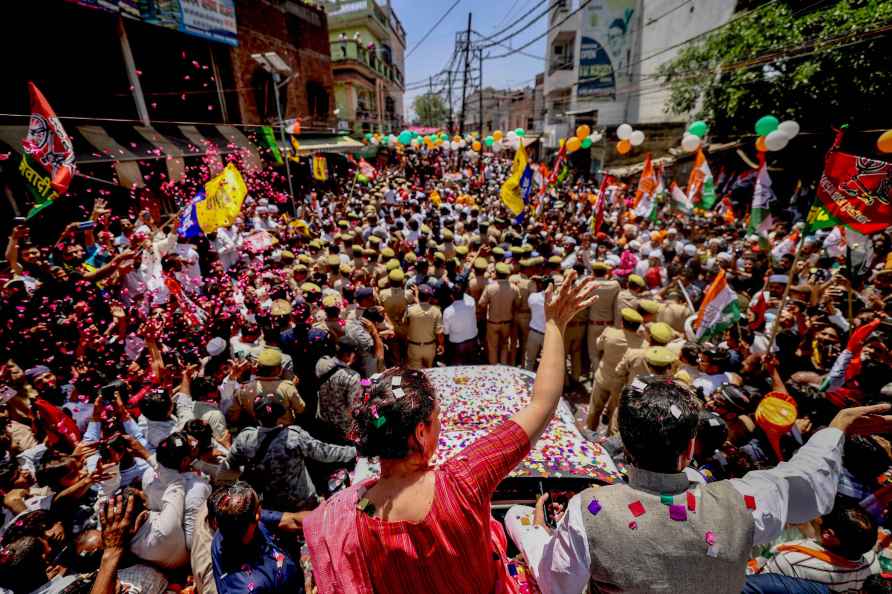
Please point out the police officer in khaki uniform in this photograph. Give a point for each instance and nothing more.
(574, 342)
(611, 346)
(476, 284)
(525, 287)
(653, 360)
(629, 296)
(424, 330)
(634, 362)
(500, 299)
(675, 311)
(395, 302)
(603, 313)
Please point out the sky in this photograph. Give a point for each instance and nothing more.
(489, 16)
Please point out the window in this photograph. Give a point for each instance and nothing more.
(317, 100)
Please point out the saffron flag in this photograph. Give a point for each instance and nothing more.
(516, 189)
(726, 210)
(701, 189)
(855, 191)
(320, 168)
(719, 310)
(647, 183)
(218, 205)
(435, 198)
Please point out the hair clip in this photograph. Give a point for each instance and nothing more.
(398, 393)
(379, 421)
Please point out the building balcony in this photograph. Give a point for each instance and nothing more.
(346, 14)
(350, 53)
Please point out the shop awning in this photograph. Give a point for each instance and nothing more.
(307, 145)
(124, 145)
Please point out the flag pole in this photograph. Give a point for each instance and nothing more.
(686, 296)
(775, 327)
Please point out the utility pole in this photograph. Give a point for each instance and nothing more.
(480, 94)
(430, 94)
(464, 85)
(449, 99)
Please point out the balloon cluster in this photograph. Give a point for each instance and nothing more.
(774, 134)
(628, 137)
(693, 137)
(584, 139)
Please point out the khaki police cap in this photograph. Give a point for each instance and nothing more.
(635, 279)
(660, 332)
(481, 264)
(396, 275)
(387, 252)
(503, 268)
(630, 315)
(649, 306)
(659, 356)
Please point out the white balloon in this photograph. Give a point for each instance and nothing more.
(595, 137)
(462, 143)
(624, 131)
(497, 146)
(690, 142)
(790, 128)
(776, 141)
(636, 138)
(512, 135)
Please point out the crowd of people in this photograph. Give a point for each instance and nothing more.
(186, 412)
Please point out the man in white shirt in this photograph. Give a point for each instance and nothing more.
(537, 328)
(695, 534)
(460, 326)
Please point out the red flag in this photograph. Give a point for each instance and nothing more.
(857, 190)
(602, 199)
(47, 142)
(555, 171)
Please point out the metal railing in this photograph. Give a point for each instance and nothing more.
(350, 50)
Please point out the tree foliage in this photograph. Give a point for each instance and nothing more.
(431, 110)
(822, 65)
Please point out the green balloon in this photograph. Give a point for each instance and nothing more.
(766, 125)
(405, 137)
(444, 137)
(520, 132)
(586, 142)
(489, 140)
(368, 135)
(698, 128)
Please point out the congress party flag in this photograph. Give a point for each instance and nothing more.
(366, 169)
(719, 310)
(516, 189)
(762, 197)
(701, 188)
(680, 199)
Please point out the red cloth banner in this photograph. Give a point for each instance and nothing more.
(857, 191)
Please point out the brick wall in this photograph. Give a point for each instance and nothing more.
(300, 37)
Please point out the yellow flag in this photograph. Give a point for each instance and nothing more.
(296, 146)
(223, 203)
(320, 168)
(511, 192)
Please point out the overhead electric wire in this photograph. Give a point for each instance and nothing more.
(582, 5)
(432, 29)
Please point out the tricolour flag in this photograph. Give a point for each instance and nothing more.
(516, 189)
(701, 189)
(787, 246)
(762, 197)
(645, 197)
(598, 219)
(366, 169)
(726, 211)
(680, 200)
(719, 310)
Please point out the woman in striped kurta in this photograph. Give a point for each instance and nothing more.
(425, 529)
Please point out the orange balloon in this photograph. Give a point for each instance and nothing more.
(623, 147)
(497, 135)
(573, 145)
(582, 132)
(760, 144)
(592, 199)
(476, 145)
(884, 142)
